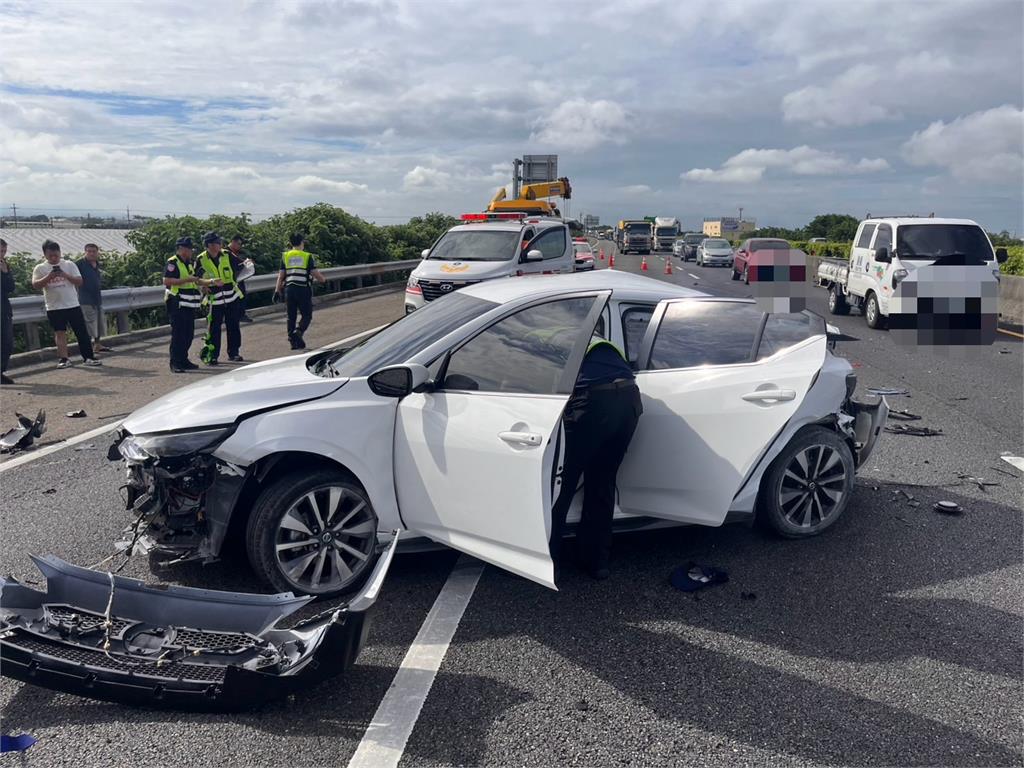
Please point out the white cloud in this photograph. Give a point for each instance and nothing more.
(579, 125)
(751, 165)
(420, 178)
(309, 183)
(984, 146)
(633, 190)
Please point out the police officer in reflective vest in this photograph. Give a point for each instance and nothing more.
(599, 419)
(223, 298)
(297, 268)
(182, 299)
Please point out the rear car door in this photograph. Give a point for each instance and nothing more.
(711, 407)
(475, 458)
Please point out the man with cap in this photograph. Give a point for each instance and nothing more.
(297, 267)
(182, 299)
(215, 264)
(238, 258)
(599, 420)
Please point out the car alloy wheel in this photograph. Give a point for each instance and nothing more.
(809, 484)
(872, 313)
(746, 274)
(313, 533)
(836, 302)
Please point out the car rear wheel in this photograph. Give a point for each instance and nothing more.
(735, 274)
(809, 485)
(837, 302)
(746, 274)
(312, 533)
(872, 312)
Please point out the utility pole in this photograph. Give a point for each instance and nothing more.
(741, 213)
(516, 177)
(14, 210)
(128, 212)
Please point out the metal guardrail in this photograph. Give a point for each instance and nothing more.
(30, 310)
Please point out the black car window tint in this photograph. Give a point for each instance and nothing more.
(634, 325)
(782, 331)
(693, 333)
(525, 352)
(883, 237)
(550, 243)
(865, 236)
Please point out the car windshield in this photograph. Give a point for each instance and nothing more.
(716, 244)
(666, 231)
(693, 239)
(640, 228)
(476, 245)
(581, 248)
(932, 241)
(769, 245)
(404, 338)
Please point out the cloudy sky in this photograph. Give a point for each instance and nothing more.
(394, 108)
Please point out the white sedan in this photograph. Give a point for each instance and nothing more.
(447, 425)
(714, 252)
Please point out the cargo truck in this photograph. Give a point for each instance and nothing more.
(666, 230)
(634, 235)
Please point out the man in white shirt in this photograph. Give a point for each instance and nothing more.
(59, 280)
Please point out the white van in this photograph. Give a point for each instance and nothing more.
(886, 250)
(486, 247)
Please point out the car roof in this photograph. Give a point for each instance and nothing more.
(623, 284)
(508, 225)
(903, 220)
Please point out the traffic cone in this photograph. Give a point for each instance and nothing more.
(668, 264)
(600, 253)
(643, 263)
(611, 260)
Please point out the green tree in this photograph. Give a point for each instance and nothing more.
(834, 227)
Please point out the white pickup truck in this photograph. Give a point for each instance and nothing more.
(886, 250)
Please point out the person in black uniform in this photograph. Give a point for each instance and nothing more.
(599, 419)
(6, 314)
(238, 257)
(182, 299)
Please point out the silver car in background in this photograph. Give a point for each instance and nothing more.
(714, 252)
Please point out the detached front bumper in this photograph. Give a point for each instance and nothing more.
(118, 639)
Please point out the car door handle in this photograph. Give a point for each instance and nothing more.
(520, 438)
(770, 396)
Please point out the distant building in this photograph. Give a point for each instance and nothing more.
(29, 240)
(729, 228)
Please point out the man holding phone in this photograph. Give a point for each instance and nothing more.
(59, 280)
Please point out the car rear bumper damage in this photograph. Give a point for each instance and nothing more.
(863, 424)
(117, 639)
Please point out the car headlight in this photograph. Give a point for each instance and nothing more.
(143, 447)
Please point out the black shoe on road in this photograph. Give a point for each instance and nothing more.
(245, 319)
(177, 368)
(188, 365)
(236, 358)
(211, 362)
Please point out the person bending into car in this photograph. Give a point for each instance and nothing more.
(599, 419)
(59, 280)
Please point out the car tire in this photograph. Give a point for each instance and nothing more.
(808, 486)
(872, 312)
(326, 562)
(746, 274)
(837, 302)
(735, 274)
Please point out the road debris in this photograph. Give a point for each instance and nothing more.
(692, 577)
(981, 482)
(22, 436)
(948, 508)
(79, 414)
(748, 596)
(907, 429)
(903, 415)
(1004, 472)
(48, 491)
(18, 743)
(888, 391)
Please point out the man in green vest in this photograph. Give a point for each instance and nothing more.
(599, 420)
(297, 268)
(182, 299)
(223, 298)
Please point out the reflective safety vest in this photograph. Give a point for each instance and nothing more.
(598, 342)
(222, 269)
(187, 295)
(296, 267)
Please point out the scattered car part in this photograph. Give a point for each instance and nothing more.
(888, 391)
(22, 436)
(907, 429)
(692, 577)
(948, 507)
(109, 637)
(79, 414)
(903, 415)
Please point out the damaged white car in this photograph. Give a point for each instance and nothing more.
(446, 425)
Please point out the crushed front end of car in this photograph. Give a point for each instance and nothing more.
(180, 495)
(114, 638)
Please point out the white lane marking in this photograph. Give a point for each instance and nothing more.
(25, 458)
(695, 277)
(1014, 461)
(384, 741)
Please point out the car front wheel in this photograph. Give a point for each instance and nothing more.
(809, 485)
(872, 312)
(312, 533)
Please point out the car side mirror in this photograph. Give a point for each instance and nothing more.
(398, 380)
(533, 255)
(424, 253)
(1001, 255)
(882, 255)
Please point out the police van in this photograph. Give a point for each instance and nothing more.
(488, 246)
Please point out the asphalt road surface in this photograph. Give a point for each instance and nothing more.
(893, 639)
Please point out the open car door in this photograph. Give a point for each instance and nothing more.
(475, 458)
(711, 407)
